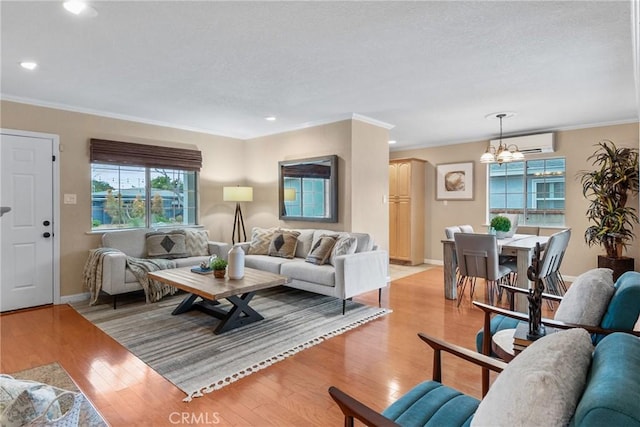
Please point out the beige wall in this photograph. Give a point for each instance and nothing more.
(226, 161)
(574, 145)
(75, 130)
(362, 175)
(370, 181)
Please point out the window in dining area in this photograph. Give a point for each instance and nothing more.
(533, 189)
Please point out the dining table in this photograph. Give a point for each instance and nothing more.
(520, 246)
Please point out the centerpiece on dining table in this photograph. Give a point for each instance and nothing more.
(501, 225)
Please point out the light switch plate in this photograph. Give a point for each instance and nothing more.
(69, 199)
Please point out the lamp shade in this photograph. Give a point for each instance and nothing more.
(289, 194)
(237, 194)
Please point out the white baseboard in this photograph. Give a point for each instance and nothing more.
(434, 261)
(74, 298)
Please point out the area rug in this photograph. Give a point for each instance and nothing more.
(53, 374)
(397, 271)
(184, 350)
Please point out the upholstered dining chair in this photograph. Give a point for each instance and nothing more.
(450, 231)
(528, 229)
(478, 257)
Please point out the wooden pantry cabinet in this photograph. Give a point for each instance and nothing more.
(406, 211)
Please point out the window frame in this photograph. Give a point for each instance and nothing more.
(525, 211)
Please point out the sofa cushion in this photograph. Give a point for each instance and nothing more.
(283, 243)
(586, 300)
(431, 403)
(365, 242)
(265, 262)
(304, 242)
(131, 242)
(321, 249)
(624, 308)
(169, 245)
(611, 395)
(542, 385)
(260, 240)
(298, 269)
(197, 242)
(192, 261)
(345, 245)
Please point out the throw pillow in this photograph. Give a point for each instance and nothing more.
(344, 245)
(168, 245)
(283, 244)
(260, 240)
(587, 299)
(321, 249)
(542, 385)
(197, 242)
(21, 401)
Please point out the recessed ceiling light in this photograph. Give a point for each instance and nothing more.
(270, 118)
(79, 7)
(393, 141)
(28, 65)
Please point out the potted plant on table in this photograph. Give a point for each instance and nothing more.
(608, 187)
(502, 225)
(219, 266)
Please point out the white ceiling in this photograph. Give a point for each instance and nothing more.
(433, 70)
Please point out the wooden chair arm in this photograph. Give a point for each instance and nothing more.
(514, 289)
(351, 408)
(439, 345)
(488, 309)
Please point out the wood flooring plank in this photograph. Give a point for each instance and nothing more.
(376, 362)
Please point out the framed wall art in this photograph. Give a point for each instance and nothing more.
(454, 181)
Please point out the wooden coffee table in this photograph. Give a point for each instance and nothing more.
(210, 290)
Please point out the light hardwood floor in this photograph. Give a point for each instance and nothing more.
(376, 362)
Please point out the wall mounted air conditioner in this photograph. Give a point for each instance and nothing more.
(530, 144)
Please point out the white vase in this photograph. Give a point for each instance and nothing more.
(236, 262)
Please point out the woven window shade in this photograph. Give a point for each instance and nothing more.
(105, 151)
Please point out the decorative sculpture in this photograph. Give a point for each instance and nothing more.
(536, 328)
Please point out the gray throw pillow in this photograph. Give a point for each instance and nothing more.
(345, 245)
(283, 244)
(197, 242)
(587, 299)
(542, 385)
(260, 240)
(169, 245)
(321, 249)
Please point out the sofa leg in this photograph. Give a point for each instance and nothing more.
(344, 305)
(379, 297)
(114, 302)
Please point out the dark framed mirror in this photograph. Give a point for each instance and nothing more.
(308, 189)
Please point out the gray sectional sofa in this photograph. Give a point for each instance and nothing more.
(350, 275)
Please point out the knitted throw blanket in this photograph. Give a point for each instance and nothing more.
(154, 290)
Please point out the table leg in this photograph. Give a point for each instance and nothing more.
(524, 261)
(450, 267)
(185, 305)
(239, 315)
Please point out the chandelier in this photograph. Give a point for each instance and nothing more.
(503, 153)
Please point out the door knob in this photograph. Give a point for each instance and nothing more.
(46, 223)
(46, 234)
(4, 210)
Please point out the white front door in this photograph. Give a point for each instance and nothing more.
(26, 231)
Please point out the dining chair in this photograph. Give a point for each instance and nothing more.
(478, 257)
(528, 229)
(450, 231)
(551, 261)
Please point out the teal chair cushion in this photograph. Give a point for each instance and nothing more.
(624, 307)
(613, 385)
(498, 323)
(432, 404)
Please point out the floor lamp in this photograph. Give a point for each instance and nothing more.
(238, 194)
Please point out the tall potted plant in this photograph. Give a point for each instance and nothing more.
(608, 187)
